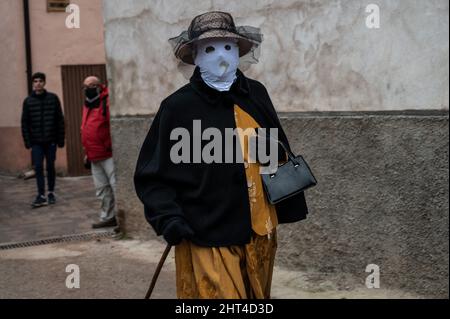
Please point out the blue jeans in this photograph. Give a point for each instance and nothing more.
(38, 153)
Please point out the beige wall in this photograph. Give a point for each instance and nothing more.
(52, 45)
(14, 86)
(12, 61)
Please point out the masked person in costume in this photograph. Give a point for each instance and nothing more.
(216, 213)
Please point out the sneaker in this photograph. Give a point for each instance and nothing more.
(39, 201)
(51, 198)
(106, 223)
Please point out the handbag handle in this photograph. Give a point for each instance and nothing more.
(289, 153)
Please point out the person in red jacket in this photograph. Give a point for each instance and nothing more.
(96, 140)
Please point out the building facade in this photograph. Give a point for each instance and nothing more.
(64, 54)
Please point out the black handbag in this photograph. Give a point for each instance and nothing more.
(291, 178)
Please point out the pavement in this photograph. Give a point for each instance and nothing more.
(74, 212)
(122, 269)
(118, 268)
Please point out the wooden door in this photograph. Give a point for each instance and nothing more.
(72, 83)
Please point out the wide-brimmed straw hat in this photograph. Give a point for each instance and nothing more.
(211, 25)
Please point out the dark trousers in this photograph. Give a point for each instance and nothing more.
(38, 153)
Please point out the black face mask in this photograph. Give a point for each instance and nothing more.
(91, 93)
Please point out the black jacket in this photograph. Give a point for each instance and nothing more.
(211, 198)
(42, 120)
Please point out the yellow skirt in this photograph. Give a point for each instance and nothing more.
(234, 272)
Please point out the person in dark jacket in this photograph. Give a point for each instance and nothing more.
(43, 132)
(215, 213)
(96, 140)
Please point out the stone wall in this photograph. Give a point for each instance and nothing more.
(381, 198)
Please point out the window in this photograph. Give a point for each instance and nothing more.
(57, 5)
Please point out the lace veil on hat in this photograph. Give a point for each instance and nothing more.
(217, 24)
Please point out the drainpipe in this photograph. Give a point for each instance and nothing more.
(26, 16)
(26, 21)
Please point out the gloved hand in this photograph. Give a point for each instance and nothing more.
(176, 230)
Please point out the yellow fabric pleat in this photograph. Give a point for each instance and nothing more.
(264, 216)
(233, 272)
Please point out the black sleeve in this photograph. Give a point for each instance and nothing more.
(59, 124)
(25, 125)
(154, 184)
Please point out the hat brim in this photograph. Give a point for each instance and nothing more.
(184, 52)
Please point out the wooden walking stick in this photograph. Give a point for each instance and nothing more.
(157, 271)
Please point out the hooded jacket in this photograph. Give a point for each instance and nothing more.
(95, 129)
(210, 198)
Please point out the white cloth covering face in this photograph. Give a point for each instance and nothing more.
(218, 60)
